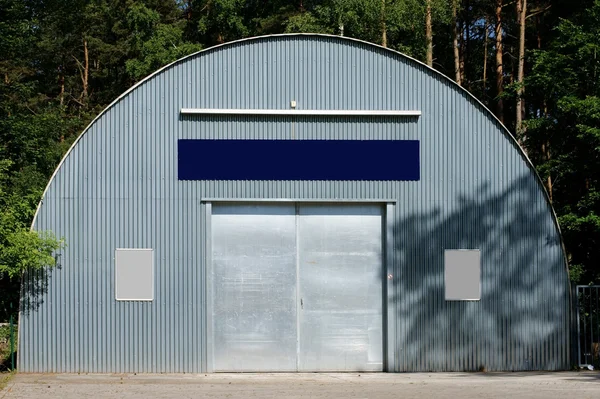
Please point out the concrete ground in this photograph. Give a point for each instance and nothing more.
(580, 385)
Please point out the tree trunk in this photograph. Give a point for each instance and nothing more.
(61, 79)
(522, 11)
(467, 52)
(485, 56)
(541, 104)
(383, 26)
(499, 65)
(457, 72)
(429, 34)
(86, 70)
(539, 33)
(544, 109)
(549, 186)
(461, 52)
(512, 74)
(546, 154)
(188, 10)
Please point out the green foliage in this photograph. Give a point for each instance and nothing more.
(576, 272)
(224, 20)
(24, 250)
(308, 22)
(565, 80)
(21, 249)
(6, 356)
(366, 19)
(163, 47)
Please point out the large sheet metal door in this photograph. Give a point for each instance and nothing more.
(340, 288)
(297, 287)
(254, 288)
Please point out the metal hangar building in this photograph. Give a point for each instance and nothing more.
(297, 203)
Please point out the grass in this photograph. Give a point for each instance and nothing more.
(5, 378)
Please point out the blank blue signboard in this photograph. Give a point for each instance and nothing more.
(298, 160)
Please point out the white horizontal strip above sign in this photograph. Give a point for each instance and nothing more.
(316, 112)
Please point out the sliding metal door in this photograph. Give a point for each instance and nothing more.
(297, 287)
(340, 288)
(254, 287)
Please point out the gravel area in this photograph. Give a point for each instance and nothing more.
(580, 385)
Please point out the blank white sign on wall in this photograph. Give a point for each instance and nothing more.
(134, 274)
(462, 274)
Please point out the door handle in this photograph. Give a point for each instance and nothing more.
(301, 303)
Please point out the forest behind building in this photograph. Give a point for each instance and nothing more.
(534, 63)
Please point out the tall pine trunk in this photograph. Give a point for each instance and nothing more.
(544, 111)
(429, 34)
(457, 72)
(61, 81)
(499, 65)
(467, 44)
(84, 72)
(522, 11)
(462, 51)
(86, 68)
(485, 56)
(383, 26)
(547, 156)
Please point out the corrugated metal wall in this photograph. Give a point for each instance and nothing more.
(118, 188)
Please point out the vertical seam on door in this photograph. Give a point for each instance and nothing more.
(298, 309)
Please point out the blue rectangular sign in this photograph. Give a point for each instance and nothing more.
(298, 159)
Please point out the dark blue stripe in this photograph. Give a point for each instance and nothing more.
(298, 160)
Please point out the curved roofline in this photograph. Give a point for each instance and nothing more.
(340, 38)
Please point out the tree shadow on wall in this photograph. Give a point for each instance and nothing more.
(34, 286)
(521, 320)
